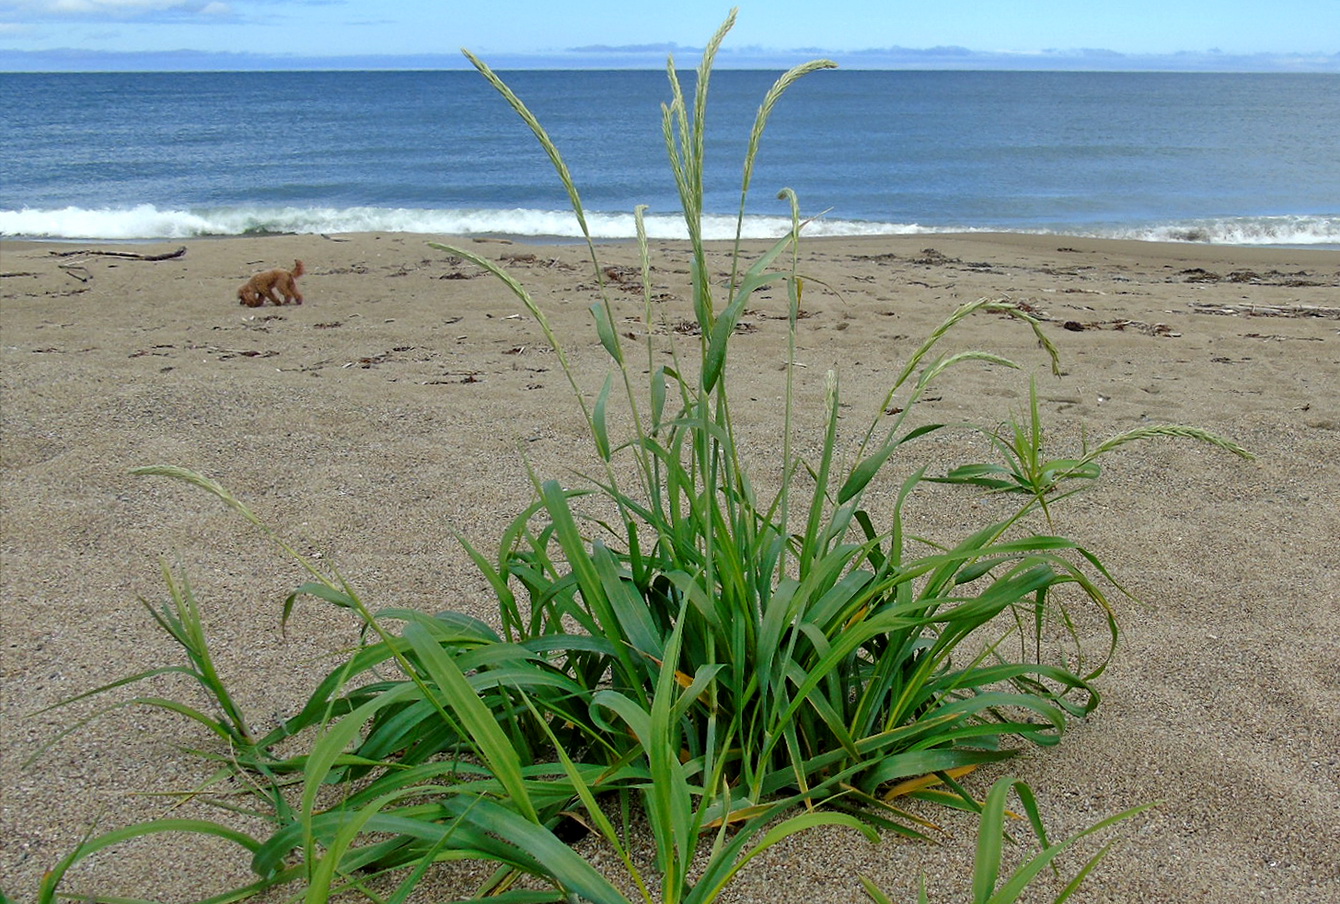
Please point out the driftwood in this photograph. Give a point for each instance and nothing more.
(78, 271)
(129, 255)
(1266, 310)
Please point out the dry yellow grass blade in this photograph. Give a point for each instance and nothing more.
(902, 789)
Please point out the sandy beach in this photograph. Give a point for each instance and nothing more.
(399, 405)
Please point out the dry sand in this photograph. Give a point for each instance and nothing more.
(395, 408)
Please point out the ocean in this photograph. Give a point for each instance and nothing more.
(1221, 158)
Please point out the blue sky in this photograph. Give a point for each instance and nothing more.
(949, 33)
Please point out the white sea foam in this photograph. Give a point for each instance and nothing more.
(145, 222)
(149, 222)
(1290, 230)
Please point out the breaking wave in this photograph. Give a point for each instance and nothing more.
(146, 222)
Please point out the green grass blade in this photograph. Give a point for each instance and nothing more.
(990, 840)
(668, 799)
(599, 427)
(51, 880)
(475, 717)
(609, 337)
(328, 868)
(874, 892)
(559, 861)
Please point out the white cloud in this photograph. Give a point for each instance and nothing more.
(106, 9)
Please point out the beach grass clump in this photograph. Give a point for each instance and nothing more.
(674, 648)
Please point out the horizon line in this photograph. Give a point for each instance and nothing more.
(653, 57)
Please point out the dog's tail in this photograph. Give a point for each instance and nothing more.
(298, 269)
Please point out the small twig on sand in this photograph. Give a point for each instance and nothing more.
(82, 275)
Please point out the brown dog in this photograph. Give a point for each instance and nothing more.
(264, 285)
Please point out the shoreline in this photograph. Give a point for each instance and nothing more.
(400, 403)
(1024, 237)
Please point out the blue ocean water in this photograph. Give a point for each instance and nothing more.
(1230, 158)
